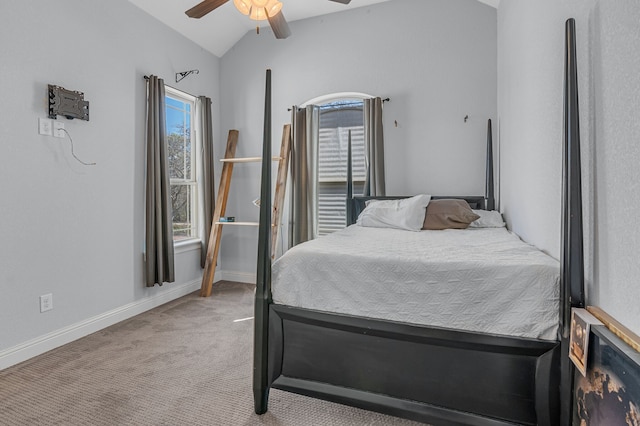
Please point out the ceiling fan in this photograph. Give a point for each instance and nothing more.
(257, 10)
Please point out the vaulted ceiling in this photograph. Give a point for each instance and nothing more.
(218, 31)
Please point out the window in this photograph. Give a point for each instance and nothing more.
(181, 155)
(336, 119)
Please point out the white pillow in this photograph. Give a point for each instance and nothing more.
(406, 213)
(488, 219)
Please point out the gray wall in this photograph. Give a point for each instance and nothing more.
(435, 59)
(67, 229)
(530, 76)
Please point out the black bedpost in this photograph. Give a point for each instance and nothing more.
(263, 275)
(489, 198)
(572, 260)
(349, 199)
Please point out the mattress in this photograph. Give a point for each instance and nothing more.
(481, 280)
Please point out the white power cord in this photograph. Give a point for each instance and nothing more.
(73, 153)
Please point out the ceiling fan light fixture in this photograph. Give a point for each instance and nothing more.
(244, 6)
(273, 7)
(258, 10)
(257, 13)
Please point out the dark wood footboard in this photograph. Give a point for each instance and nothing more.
(434, 375)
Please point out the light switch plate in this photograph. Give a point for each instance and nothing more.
(45, 126)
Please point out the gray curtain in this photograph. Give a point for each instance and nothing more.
(374, 147)
(204, 134)
(158, 214)
(304, 170)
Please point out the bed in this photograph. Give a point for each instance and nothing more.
(483, 280)
(424, 369)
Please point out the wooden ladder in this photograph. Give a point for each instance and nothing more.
(228, 161)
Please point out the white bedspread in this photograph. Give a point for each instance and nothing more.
(481, 280)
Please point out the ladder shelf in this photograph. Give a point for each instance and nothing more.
(213, 247)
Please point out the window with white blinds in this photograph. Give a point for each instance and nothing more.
(336, 119)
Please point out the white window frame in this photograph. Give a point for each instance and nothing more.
(193, 182)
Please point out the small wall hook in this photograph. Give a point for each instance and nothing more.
(466, 117)
(181, 75)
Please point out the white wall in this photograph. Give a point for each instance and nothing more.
(530, 78)
(435, 59)
(67, 229)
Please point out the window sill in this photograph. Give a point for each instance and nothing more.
(186, 245)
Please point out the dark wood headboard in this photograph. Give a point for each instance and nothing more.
(358, 203)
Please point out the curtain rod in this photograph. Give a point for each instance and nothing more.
(146, 77)
(181, 75)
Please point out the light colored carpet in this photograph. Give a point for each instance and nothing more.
(183, 363)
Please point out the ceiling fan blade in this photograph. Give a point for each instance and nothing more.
(201, 9)
(279, 25)
(342, 1)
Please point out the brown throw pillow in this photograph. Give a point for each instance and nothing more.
(448, 213)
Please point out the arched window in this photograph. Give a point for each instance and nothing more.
(319, 160)
(337, 118)
(339, 114)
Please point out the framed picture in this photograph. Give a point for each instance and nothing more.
(609, 394)
(581, 322)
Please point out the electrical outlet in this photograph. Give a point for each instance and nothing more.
(46, 302)
(45, 126)
(58, 129)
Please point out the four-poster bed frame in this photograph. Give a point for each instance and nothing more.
(430, 374)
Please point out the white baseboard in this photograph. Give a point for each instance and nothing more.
(44, 343)
(242, 277)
